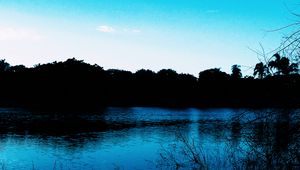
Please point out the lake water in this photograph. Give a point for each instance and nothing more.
(149, 138)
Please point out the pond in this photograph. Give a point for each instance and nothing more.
(150, 138)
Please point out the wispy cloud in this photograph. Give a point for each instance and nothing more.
(11, 34)
(106, 29)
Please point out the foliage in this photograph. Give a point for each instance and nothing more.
(261, 70)
(236, 72)
(75, 84)
(4, 66)
(213, 74)
(282, 65)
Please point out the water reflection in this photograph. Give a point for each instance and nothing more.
(271, 141)
(151, 138)
(268, 139)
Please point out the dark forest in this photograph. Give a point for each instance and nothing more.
(74, 85)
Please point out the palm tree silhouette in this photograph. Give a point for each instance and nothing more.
(282, 65)
(261, 70)
(236, 72)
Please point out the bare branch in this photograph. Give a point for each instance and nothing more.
(284, 27)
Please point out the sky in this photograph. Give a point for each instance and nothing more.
(188, 36)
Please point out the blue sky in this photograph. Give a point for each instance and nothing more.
(185, 35)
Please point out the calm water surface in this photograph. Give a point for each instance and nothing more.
(130, 138)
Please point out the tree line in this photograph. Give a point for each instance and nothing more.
(75, 84)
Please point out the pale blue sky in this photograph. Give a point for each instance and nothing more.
(185, 35)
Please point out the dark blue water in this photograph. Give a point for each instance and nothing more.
(135, 138)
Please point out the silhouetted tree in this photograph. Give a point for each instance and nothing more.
(236, 72)
(282, 65)
(167, 74)
(145, 74)
(187, 78)
(119, 74)
(4, 66)
(294, 68)
(17, 68)
(261, 70)
(249, 78)
(213, 74)
(74, 83)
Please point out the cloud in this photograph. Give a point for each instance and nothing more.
(13, 34)
(106, 29)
